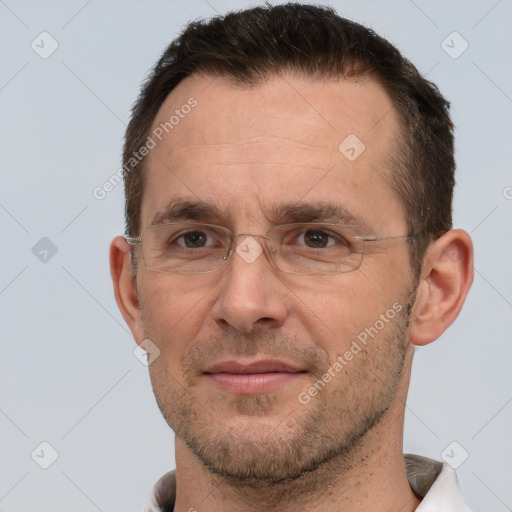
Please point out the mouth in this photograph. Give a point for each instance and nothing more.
(256, 377)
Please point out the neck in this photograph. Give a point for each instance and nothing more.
(371, 477)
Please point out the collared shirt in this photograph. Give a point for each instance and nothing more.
(434, 482)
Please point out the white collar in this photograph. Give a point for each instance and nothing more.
(436, 483)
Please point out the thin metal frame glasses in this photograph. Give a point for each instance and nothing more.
(297, 248)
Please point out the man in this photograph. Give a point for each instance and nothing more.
(289, 180)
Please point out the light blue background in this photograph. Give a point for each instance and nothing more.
(68, 373)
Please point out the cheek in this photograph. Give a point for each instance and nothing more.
(174, 310)
(335, 310)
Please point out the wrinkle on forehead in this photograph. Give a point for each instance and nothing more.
(288, 121)
(277, 141)
(256, 150)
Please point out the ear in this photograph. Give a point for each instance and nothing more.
(446, 276)
(125, 287)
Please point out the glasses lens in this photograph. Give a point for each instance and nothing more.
(312, 248)
(185, 248)
(315, 248)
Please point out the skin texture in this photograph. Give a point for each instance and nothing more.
(250, 150)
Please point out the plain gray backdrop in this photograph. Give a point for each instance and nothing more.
(69, 376)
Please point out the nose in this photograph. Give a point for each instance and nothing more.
(250, 293)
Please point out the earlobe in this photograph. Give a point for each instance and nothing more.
(125, 287)
(446, 277)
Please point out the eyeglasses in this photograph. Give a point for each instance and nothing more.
(312, 248)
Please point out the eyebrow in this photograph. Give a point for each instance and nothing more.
(182, 211)
(315, 212)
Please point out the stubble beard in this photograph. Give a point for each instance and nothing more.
(307, 442)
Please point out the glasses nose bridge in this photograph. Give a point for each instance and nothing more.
(232, 244)
(259, 235)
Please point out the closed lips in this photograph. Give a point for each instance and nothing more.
(258, 367)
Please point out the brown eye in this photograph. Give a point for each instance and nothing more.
(316, 239)
(194, 239)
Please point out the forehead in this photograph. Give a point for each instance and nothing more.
(289, 138)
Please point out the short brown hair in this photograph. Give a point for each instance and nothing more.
(250, 45)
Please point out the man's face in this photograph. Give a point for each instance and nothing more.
(243, 348)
